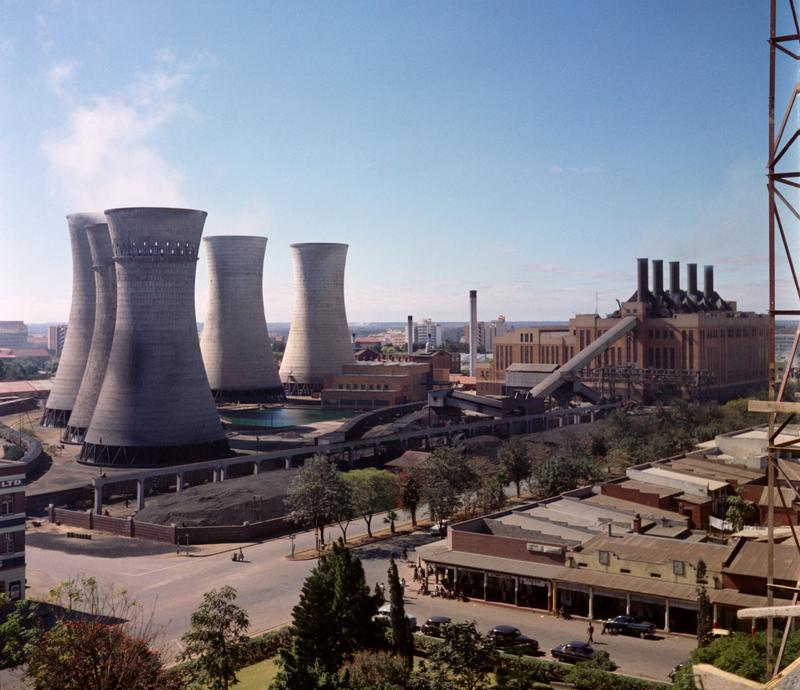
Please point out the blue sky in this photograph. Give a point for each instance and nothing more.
(531, 150)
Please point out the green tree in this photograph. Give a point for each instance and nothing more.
(316, 494)
(515, 456)
(557, 475)
(739, 512)
(465, 656)
(402, 639)
(410, 494)
(332, 621)
(372, 491)
(445, 476)
(704, 608)
(215, 643)
(17, 631)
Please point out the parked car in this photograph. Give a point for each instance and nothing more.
(433, 626)
(628, 625)
(509, 637)
(438, 530)
(573, 651)
(385, 612)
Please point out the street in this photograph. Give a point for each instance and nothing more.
(268, 585)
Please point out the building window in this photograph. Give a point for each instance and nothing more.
(603, 556)
(8, 543)
(7, 505)
(655, 574)
(678, 568)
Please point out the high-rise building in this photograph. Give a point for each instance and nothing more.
(55, 338)
(235, 341)
(78, 341)
(12, 530)
(155, 405)
(426, 331)
(319, 339)
(13, 335)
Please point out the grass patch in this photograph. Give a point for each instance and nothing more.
(258, 676)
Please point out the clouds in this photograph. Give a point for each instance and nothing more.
(107, 152)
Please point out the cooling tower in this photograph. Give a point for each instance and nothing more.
(105, 282)
(155, 406)
(72, 362)
(235, 344)
(319, 342)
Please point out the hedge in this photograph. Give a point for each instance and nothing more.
(584, 677)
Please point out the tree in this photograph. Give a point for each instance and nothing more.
(557, 475)
(83, 654)
(466, 656)
(390, 519)
(402, 639)
(17, 631)
(344, 511)
(375, 671)
(410, 494)
(332, 621)
(739, 512)
(215, 643)
(704, 609)
(316, 494)
(444, 477)
(516, 459)
(372, 491)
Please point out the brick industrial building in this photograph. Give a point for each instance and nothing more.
(684, 342)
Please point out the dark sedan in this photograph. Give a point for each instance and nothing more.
(433, 626)
(628, 625)
(509, 637)
(573, 651)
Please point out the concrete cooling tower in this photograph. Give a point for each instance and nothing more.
(235, 344)
(319, 342)
(72, 363)
(105, 283)
(155, 406)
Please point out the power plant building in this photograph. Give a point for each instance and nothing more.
(155, 405)
(319, 341)
(235, 342)
(102, 336)
(78, 340)
(676, 342)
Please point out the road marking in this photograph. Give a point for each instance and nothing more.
(157, 570)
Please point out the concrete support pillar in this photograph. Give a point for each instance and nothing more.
(591, 603)
(666, 615)
(554, 597)
(215, 474)
(139, 494)
(591, 417)
(179, 482)
(516, 591)
(560, 422)
(627, 603)
(485, 584)
(98, 499)
(256, 467)
(287, 463)
(714, 615)
(223, 473)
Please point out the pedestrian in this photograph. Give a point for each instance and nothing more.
(590, 631)
(404, 554)
(241, 554)
(403, 586)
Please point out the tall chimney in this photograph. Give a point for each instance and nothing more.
(691, 279)
(658, 277)
(410, 334)
(708, 288)
(473, 331)
(641, 280)
(674, 278)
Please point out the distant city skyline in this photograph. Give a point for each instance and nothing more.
(529, 150)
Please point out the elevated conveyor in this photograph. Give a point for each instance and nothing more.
(568, 373)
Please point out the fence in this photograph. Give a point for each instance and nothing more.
(130, 527)
(34, 454)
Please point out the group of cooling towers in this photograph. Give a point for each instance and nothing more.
(135, 384)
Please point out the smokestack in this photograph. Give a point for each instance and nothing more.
(674, 278)
(708, 288)
(658, 277)
(691, 279)
(410, 334)
(637, 524)
(473, 331)
(641, 280)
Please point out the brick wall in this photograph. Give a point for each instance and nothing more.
(645, 499)
(502, 547)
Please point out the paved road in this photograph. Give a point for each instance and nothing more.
(269, 586)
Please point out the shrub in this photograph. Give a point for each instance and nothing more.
(586, 677)
(537, 670)
(266, 646)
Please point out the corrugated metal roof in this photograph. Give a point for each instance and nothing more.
(645, 549)
(648, 488)
(628, 583)
(632, 508)
(509, 566)
(751, 560)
